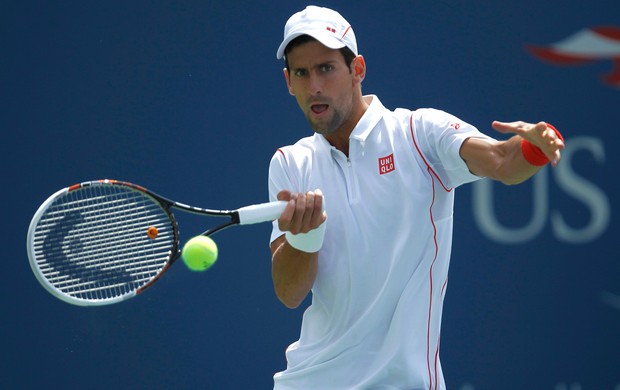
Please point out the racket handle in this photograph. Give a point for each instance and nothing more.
(261, 212)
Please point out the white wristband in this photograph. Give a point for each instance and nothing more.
(308, 242)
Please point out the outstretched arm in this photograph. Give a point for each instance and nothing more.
(509, 161)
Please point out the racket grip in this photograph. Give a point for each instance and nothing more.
(261, 212)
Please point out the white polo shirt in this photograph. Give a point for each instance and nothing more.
(374, 321)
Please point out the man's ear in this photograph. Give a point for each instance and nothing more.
(359, 67)
(288, 82)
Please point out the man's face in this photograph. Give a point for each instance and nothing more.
(323, 86)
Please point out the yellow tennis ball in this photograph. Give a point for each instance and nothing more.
(199, 253)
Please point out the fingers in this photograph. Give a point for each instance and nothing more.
(539, 134)
(548, 141)
(556, 158)
(507, 127)
(554, 148)
(318, 215)
(303, 213)
(502, 127)
(553, 139)
(518, 127)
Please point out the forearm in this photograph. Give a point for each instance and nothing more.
(499, 160)
(518, 158)
(293, 272)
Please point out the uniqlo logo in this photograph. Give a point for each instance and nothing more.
(386, 164)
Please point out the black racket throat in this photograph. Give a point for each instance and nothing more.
(232, 222)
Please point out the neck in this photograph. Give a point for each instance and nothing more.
(340, 138)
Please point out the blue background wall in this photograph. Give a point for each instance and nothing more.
(187, 98)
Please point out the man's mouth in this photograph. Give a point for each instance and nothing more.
(319, 108)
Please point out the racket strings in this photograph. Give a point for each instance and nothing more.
(92, 243)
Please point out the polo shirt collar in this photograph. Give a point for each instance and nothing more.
(369, 120)
(366, 124)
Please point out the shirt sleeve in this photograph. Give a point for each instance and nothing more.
(440, 136)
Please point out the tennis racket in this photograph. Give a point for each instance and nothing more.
(102, 242)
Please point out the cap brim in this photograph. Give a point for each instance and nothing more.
(326, 39)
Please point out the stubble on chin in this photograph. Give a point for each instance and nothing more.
(325, 127)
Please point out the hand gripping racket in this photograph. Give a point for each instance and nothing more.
(102, 242)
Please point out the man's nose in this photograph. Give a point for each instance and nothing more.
(315, 84)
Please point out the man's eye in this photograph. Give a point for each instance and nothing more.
(326, 68)
(300, 72)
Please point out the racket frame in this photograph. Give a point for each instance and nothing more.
(251, 214)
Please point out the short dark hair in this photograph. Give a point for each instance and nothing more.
(347, 53)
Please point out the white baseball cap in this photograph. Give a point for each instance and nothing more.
(325, 25)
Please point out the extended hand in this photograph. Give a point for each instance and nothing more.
(539, 134)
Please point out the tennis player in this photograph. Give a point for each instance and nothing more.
(368, 225)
